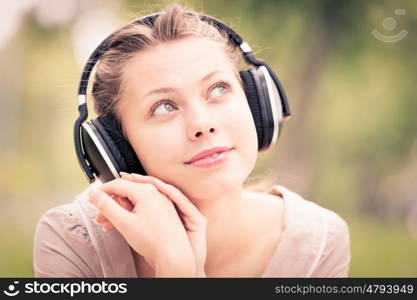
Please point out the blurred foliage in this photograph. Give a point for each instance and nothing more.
(351, 145)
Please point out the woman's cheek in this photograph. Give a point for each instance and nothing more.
(160, 147)
(241, 121)
(247, 139)
(146, 148)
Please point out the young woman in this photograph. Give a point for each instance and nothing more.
(176, 91)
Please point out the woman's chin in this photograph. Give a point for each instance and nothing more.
(213, 188)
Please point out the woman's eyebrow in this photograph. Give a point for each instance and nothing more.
(171, 89)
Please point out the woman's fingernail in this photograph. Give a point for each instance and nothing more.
(104, 229)
(95, 221)
(123, 174)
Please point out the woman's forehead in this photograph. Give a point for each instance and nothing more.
(188, 58)
(187, 52)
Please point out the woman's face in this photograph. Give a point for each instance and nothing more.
(182, 97)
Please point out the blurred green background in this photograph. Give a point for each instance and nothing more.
(350, 76)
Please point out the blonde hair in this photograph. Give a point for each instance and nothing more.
(175, 22)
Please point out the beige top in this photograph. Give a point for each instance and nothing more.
(315, 242)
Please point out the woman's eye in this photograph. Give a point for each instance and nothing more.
(220, 89)
(162, 107)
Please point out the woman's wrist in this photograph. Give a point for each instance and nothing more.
(174, 265)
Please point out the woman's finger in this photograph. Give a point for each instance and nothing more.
(109, 208)
(121, 187)
(108, 226)
(123, 202)
(101, 219)
(126, 204)
(187, 208)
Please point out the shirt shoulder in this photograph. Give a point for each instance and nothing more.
(335, 259)
(65, 221)
(315, 240)
(62, 245)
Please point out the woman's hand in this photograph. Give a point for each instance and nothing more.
(152, 227)
(194, 222)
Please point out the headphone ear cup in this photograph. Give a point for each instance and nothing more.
(99, 157)
(106, 149)
(252, 97)
(121, 149)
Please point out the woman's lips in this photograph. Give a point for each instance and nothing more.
(211, 160)
(208, 152)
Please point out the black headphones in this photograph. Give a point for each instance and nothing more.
(102, 149)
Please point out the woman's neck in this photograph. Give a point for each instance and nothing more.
(228, 225)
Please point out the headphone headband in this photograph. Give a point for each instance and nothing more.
(149, 20)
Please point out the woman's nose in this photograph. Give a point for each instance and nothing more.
(203, 132)
(200, 124)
